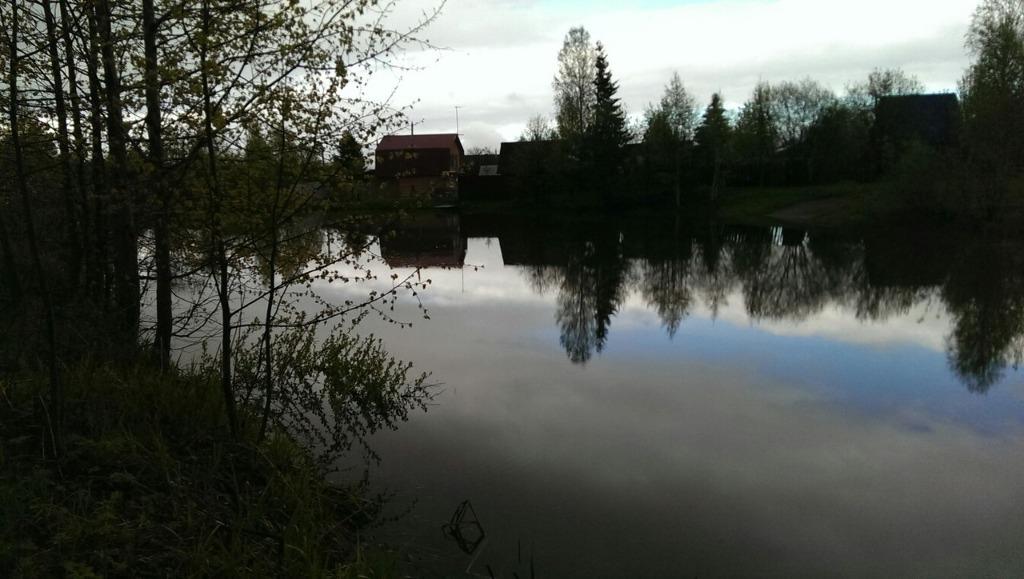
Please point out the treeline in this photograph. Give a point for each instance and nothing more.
(161, 161)
(939, 151)
(135, 129)
(787, 133)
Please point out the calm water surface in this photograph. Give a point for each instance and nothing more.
(656, 399)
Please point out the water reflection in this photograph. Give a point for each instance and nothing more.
(592, 266)
(425, 240)
(983, 292)
(658, 397)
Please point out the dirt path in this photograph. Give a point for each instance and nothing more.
(823, 212)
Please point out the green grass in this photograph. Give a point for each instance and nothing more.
(932, 197)
(855, 202)
(151, 484)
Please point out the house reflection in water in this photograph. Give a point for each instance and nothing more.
(426, 240)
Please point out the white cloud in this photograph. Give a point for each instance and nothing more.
(500, 55)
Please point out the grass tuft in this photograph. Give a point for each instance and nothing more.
(152, 484)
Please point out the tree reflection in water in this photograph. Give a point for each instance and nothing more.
(782, 275)
(985, 295)
(593, 286)
(594, 264)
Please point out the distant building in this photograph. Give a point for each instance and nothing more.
(481, 165)
(418, 156)
(928, 119)
(535, 169)
(530, 158)
(420, 165)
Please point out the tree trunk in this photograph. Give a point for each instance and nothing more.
(216, 229)
(716, 172)
(126, 258)
(74, 246)
(101, 281)
(268, 344)
(678, 178)
(56, 410)
(10, 267)
(164, 313)
(89, 262)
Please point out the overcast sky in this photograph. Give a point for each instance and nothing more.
(499, 56)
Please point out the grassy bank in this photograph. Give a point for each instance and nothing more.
(854, 205)
(842, 204)
(845, 204)
(152, 484)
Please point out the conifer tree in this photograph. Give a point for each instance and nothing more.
(757, 133)
(712, 140)
(668, 134)
(608, 133)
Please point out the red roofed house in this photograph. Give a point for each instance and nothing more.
(420, 164)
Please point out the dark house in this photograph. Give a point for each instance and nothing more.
(530, 158)
(480, 179)
(533, 169)
(420, 165)
(418, 156)
(932, 120)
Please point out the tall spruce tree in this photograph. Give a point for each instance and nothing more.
(607, 134)
(712, 139)
(668, 135)
(757, 133)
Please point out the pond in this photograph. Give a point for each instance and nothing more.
(656, 398)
